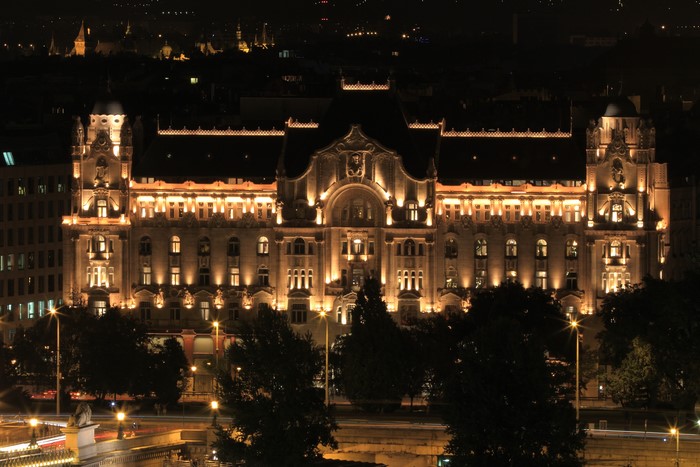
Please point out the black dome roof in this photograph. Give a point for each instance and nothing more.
(107, 107)
(620, 107)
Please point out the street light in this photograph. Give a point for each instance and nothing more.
(324, 315)
(33, 422)
(216, 344)
(193, 368)
(677, 433)
(120, 427)
(574, 324)
(214, 408)
(54, 313)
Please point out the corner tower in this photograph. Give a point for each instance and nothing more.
(96, 231)
(627, 200)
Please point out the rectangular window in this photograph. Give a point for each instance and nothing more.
(101, 208)
(145, 309)
(299, 313)
(175, 276)
(204, 309)
(234, 277)
(174, 311)
(146, 275)
(100, 307)
(233, 311)
(541, 279)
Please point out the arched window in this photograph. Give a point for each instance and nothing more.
(615, 249)
(481, 248)
(409, 248)
(234, 246)
(451, 277)
(299, 246)
(174, 245)
(263, 246)
(263, 276)
(204, 247)
(100, 244)
(411, 211)
(511, 248)
(451, 248)
(541, 249)
(571, 249)
(145, 246)
(616, 212)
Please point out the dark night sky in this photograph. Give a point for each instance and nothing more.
(614, 15)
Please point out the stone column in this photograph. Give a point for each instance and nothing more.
(81, 441)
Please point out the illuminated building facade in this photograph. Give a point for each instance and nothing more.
(213, 224)
(34, 196)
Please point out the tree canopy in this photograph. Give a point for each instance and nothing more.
(371, 364)
(279, 416)
(503, 394)
(663, 318)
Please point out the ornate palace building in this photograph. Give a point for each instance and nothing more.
(213, 224)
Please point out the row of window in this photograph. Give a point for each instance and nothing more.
(28, 235)
(480, 278)
(30, 310)
(30, 285)
(541, 213)
(30, 210)
(30, 260)
(33, 185)
(202, 210)
(511, 248)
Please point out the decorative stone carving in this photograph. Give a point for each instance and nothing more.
(217, 220)
(556, 222)
(102, 145)
(247, 221)
(526, 222)
(82, 415)
(189, 220)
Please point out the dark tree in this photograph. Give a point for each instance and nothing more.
(372, 370)
(113, 355)
(666, 316)
(500, 388)
(503, 405)
(168, 371)
(279, 417)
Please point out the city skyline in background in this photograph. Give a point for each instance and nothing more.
(615, 17)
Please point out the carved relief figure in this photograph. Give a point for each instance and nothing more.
(101, 171)
(617, 170)
(355, 165)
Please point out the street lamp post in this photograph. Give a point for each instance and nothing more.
(216, 354)
(574, 324)
(324, 315)
(120, 427)
(193, 368)
(33, 423)
(54, 312)
(677, 433)
(214, 408)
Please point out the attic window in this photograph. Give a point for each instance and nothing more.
(474, 157)
(554, 157)
(104, 120)
(169, 156)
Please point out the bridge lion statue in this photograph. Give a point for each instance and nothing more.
(82, 415)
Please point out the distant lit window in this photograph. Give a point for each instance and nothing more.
(481, 248)
(263, 246)
(9, 158)
(194, 80)
(571, 249)
(511, 248)
(541, 249)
